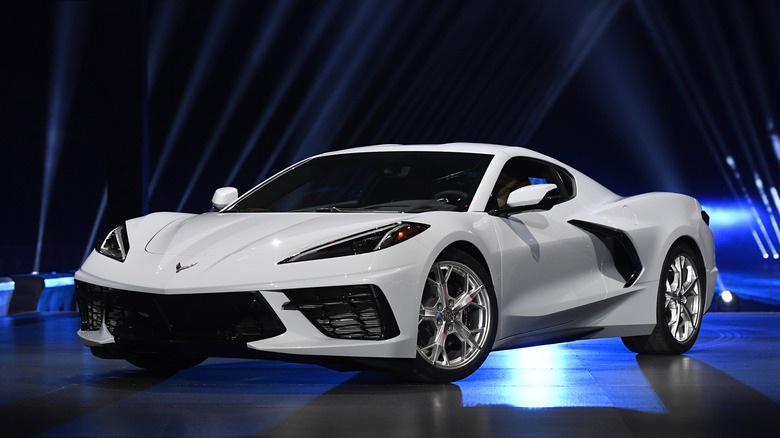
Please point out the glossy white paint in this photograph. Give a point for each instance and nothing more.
(223, 197)
(529, 195)
(546, 272)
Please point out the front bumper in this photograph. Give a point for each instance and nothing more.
(355, 320)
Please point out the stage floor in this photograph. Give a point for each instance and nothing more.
(728, 385)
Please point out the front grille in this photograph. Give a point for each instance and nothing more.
(91, 302)
(346, 312)
(195, 318)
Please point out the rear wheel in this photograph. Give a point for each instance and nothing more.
(679, 308)
(457, 321)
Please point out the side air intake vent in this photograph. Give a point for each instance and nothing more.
(619, 245)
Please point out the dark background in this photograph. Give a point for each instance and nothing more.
(114, 109)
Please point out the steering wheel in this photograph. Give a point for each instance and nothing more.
(454, 197)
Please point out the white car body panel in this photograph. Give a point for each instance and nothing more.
(547, 273)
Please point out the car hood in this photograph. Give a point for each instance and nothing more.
(279, 235)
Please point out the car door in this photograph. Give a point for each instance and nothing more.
(549, 266)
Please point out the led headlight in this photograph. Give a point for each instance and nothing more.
(116, 244)
(368, 241)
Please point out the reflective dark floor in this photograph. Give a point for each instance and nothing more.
(728, 385)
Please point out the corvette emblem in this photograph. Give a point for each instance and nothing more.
(180, 268)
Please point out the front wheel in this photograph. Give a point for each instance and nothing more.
(679, 308)
(457, 321)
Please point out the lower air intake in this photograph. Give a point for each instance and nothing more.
(210, 318)
(346, 312)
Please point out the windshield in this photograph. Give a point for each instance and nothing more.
(383, 181)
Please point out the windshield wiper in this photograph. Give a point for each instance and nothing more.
(451, 176)
(328, 209)
(246, 210)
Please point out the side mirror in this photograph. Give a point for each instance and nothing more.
(529, 195)
(525, 199)
(223, 197)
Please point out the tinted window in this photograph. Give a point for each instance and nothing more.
(520, 172)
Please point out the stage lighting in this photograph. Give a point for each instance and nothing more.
(728, 302)
(215, 35)
(68, 39)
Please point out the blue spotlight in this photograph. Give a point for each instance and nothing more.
(162, 28)
(588, 35)
(733, 223)
(775, 197)
(323, 85)
(66, 56)
(340, 99)
(775, 142)
(732, 164)
(213, 41)
(263, 39)
(725, 216)
(293, 70)
(96, 224)
(760, 245)
(768, 206)
(729, 302)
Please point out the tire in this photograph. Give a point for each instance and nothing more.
(458, 319)
(680, 305)
(164, 363)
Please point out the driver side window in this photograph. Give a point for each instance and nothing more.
(519, 172)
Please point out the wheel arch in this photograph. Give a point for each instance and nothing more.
(471, 249)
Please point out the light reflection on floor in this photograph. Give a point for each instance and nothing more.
(553, 376)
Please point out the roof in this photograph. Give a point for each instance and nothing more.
(463, 147)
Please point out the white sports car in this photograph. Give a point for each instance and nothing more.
(420, 259)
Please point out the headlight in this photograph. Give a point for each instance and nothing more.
(116, 244)
(368, 241)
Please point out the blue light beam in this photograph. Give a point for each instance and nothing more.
(280, 92)
(396, 72)
(96, 224)
(265, 36)
(775, 141)
(733, 165)
(162, 29)
(689, 87)
(68, 42)
(340, 99)
(577, 51)
(760, 245)
(769, 210)
(217, 30)
(322, 83)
